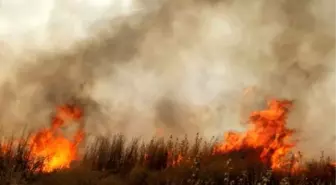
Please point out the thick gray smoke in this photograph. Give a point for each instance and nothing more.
(177, 66)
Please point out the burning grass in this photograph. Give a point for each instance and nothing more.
(172, 161)
(261, 155)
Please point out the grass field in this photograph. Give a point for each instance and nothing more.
(160, 162)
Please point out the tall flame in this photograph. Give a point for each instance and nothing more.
(52, 146)
(268, 132)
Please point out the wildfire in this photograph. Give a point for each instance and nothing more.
(52, 146)
(268, 132)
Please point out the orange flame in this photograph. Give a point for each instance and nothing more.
(174, 160)
(52, 146)
(268, 132)
(178, 160)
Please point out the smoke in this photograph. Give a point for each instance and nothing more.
(139, 67)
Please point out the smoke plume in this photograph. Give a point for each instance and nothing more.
(170, 66)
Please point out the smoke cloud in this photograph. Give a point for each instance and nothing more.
(175, 67)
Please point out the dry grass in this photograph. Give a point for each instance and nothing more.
(116, 161)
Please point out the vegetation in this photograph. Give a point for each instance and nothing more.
(114, 160)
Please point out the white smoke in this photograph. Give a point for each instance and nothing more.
(50, 24)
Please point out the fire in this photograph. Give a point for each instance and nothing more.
(178, 160)
(50, 145)
(268, 132)
(174, 160)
